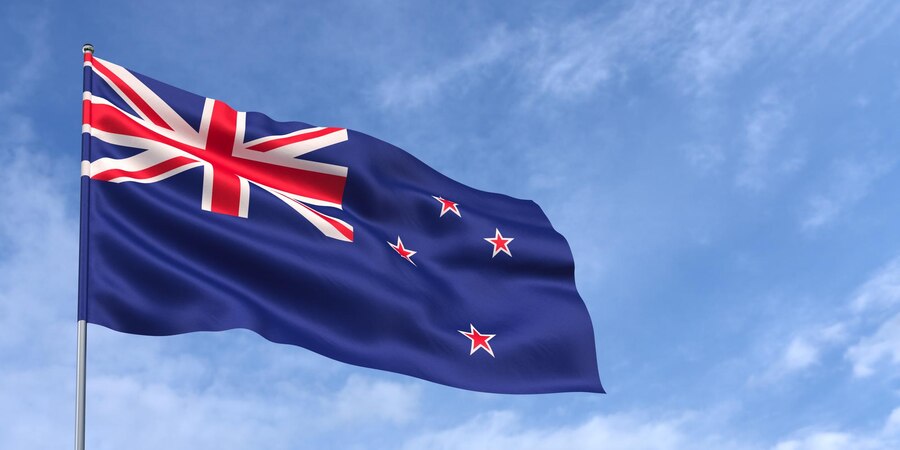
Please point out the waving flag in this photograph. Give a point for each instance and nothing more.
(197, 217)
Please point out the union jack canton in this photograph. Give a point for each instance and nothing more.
(170, 146)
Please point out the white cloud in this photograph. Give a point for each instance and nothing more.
(884, 344)
(705, 157)
(38, 238)
(726, 37)
(134, 411)
(763, 134)
(375, 401)
(38, 235)
(800, 354)
(850, 24)
(410, 91)
(881, 290)
(566, 60)
(20, 81)
(877, 295)
(818, 441)
(803, 351)
(892, 425)
(574, 60)
(699, 44)
(887, 438)
(125, 412)
(852, 181)
(867, 336)
(505, 429)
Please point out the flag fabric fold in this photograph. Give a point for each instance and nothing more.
(198, 217)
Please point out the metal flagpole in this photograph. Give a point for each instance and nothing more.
(80, 385)
(81, 369)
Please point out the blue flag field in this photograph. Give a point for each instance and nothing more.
(198, 217)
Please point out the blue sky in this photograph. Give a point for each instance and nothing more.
(726, 173)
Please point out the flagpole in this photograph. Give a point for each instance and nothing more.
(81, 365)
(80, 385)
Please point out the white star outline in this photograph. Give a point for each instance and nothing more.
(444, 208)
(400, 249)
(486, 346)
(503, 246)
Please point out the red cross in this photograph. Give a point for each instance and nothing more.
(226, 168)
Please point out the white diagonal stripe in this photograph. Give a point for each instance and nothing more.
(311, 201)
(161, 108)
(190, 139)
(279, 160)
(285, 155)
(280, 136)
(291, 151)
(320, 223)
(154, 153)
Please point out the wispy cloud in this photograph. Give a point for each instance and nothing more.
(136, 411)
(880, 291)
(35, 229)
(888, 437)
(24, 71)
(851, 181)
(878, 301)
(636, 431)
(414, 90)
(882, 345)
(705, 156)
(764, 132)
(866, 331)
(574, 60)
(505, 429)
(698, 44)
(20, 80)
(370, 401)
(569, 60)
(804, 350)
(726, 38)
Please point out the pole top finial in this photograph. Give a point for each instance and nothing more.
(87, 48)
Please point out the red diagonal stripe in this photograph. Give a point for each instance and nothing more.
(306, 183)
(112, 120)
(281, 142)
(150, 172)
(347, 232)
(132, 95)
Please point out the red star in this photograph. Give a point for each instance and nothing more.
(500, 243)
(403, 251)
(478, 340)
(447, 205)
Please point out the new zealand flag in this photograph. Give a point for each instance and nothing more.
(197, 217)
